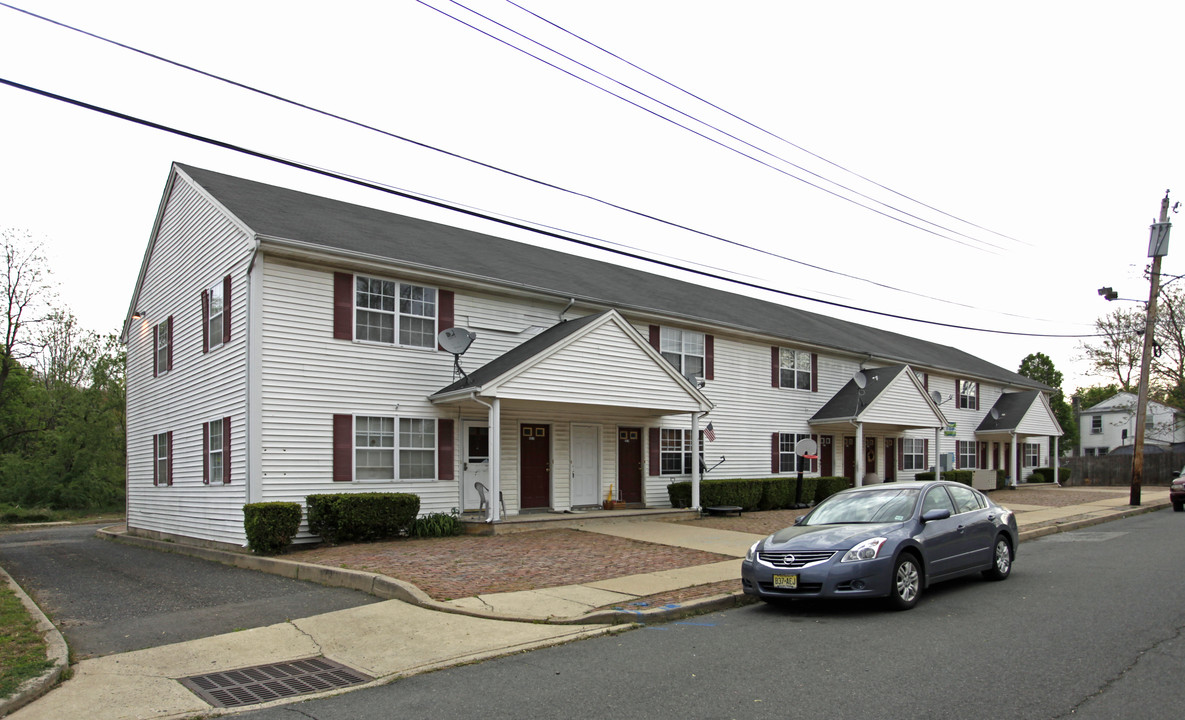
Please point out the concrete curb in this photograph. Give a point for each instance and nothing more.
(55, 651)
(1078, 522)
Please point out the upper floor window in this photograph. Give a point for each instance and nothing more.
(684, 349)
(214, 315)
(1096, 424)
(162, 360)
(795, 369)
(968, 395)
(913, 454)
(390, 312)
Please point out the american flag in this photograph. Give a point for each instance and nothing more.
(710, 433)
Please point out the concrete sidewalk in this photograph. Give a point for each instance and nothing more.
(414, 634)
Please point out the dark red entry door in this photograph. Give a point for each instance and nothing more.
(629, 464)
(849, 457)
(535, 466)
(826, 456)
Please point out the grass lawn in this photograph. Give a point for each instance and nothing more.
(22, 650)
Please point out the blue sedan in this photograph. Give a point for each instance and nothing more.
(891, 541)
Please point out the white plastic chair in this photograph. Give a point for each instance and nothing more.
(481, 493)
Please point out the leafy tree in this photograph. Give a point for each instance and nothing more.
(1116, 354)
(1091, 396)
(1039, 367)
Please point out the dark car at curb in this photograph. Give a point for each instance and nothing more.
(1177, 491)
(890, 540)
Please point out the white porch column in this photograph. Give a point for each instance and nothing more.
(1055, 461)
(1015, 460)
(495, 420)
(859, 479)
(937, 455)
(695, 461)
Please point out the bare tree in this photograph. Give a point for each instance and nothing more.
(1168, 358)
(68, 352)
(27, 296)
(1116, 354)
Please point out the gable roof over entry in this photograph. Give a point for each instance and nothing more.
(1022, 413)
(594, 360)
(892, 398)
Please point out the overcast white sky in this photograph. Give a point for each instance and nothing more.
(1055, 124)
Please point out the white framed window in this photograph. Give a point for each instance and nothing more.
(380, 441)
(162, 457)
(1096, 424)
(675, 451)
(913, 454)
(386, 311)
(968, 395)
(215, 453)
(214, 320)
(968, 458)
(685, 349)
(1032, 455)
(788, 460)
(164, 339)
(794, 369)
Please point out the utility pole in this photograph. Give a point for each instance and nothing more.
(1158, 247)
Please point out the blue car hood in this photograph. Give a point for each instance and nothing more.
(825, 537)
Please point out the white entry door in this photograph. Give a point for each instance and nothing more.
(586, 465)
(475, 464)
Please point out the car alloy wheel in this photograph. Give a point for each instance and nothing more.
(907, 583)
(1001, 561)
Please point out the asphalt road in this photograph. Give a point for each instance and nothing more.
(1089, 626)
(107, 597)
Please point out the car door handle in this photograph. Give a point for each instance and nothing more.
(962, 529)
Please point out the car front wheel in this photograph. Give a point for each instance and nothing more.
(1001, 560)
(1178, 507)
(906, 587)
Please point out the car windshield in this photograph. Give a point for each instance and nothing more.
(878, 506)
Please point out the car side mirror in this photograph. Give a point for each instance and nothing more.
(932, 515)
(798, 520)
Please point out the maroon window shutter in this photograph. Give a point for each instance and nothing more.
(814, 372)
(655, 338)
(170, 367)
(926, 454)
(958, 452)
(445, 304)
(155, 464)
(205, 321)
(709, 357)
(226, 450)
(226, 311)
(343, 306)
(655, 456)
(445, 443)
(775, 373)
(155, 352)
(976, 396)
(206, 453)
(170, 444)
(343, 448)
(926, 381)
(900, 452)
(775, 456)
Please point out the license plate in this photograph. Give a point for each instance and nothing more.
(788, 582)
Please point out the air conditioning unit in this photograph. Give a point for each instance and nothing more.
(946, 461)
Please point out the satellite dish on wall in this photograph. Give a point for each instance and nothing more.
(860, 379)
(455, 340)
(936, 397)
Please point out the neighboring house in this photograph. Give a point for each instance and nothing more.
(1110, 426)
(281, 344)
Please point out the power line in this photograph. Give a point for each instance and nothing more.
(492, 218)
(760, 128)
(705, 123)
(697, 133)
(495, 168)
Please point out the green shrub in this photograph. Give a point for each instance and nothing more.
(1045, 474)
(362, 517)
(436, 525)
(962, 476)
(825, 487)
(745, 493)
(270, 526)
(777, 493)
(680, 494)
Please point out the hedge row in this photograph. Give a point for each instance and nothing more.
(773, 493)
(270, 526)
(355, 517)
(1046, 474)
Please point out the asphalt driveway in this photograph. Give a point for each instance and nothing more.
(107, 597)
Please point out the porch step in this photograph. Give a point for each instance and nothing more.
(526, 522)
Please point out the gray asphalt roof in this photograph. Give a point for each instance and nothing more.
(334, 225)
(851, 400)
(1012, 408)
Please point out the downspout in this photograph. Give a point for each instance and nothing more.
(495, 421)
(566, 309)
(252, 426)
(695, 461)
(1015, 460)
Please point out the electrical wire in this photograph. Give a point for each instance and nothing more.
(492, 218)
(760, 128)
(495, 168)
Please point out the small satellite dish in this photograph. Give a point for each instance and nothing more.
(860, 379)
(806, 446)
(696, 381)
(936, 397)
(995, 414)
(455, 340)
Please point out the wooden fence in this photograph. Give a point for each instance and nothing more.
(1117, 469)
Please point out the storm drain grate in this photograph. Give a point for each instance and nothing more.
(248, 686)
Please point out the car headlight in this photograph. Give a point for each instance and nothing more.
(752, 552)
(867, 550)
